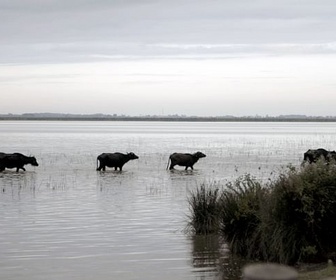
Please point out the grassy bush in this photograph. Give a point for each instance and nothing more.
(304, 213)
(288, 220)
(204, 206)
(240, 215)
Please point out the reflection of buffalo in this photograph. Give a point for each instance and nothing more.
(187, 160)
(16, 160)
(312, 156)
(116, 160)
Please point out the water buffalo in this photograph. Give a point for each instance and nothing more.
(16, 160)
(312, 156)
(116, 160)
(332, 156)
(187, 160)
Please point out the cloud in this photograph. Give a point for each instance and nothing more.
(105, 50)
(163, 21)
(34, 31)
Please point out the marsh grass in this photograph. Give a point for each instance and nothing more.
(304, 213)
(204, 207)
(240, 215)
(289, 219)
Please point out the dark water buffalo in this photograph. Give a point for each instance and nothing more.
(16, 160)
(332, 155)
(116, 160)
(312, 156)
(187, 160)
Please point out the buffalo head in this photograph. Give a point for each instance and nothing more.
(199, 155)
(32, 161)
(132, 156)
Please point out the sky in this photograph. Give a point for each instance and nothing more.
(167, 57)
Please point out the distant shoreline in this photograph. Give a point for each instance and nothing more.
(167, 119)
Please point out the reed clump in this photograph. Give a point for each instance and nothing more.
(288, 220)
(205, 210)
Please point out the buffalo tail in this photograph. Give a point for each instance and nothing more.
(168, 163)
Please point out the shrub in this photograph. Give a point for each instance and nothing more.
(288, 220)
(304, 213)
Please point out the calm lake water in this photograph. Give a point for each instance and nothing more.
(64, 220)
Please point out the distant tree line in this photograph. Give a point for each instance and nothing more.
(115, 117)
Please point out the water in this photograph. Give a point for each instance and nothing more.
(64, 220)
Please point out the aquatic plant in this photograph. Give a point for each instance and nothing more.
(204, 208)
(287, 220)
(304, 212)
(240, 214)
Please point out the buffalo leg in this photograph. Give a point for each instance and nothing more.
(20, 167)
(101, 167)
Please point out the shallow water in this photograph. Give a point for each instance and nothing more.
(64, 220)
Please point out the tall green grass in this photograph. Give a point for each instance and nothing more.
(288, 220)
(205, 211)
(304, 213)
(240, 215)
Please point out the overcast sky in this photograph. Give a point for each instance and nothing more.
(196, 57)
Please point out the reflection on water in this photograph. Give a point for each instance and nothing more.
(212, 259)
(65, 220)
(207, 255)
(13, 184)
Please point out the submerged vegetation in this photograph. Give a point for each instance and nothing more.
(288, 220)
